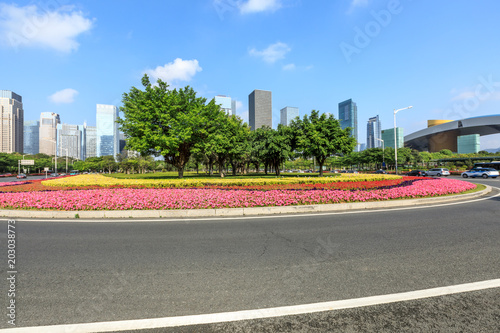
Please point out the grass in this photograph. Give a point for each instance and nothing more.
(202, 175)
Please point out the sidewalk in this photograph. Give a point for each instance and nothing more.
(228, 212)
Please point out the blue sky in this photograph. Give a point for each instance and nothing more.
(441, 57)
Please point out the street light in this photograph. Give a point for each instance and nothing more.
(395, 142)
(383, 151)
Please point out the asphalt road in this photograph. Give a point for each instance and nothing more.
(74, 272)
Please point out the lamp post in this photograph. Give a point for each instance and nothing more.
(395, 140)
(383, 151)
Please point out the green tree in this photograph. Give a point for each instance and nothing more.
(170, 123)
(321, 136)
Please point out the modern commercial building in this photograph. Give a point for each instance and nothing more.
(287, 114)
(348, 117)
(233, 107)
(108, 136)
(260, 109)
(468, 144)
(373, 133)
(388, 137)
(47, 132)
(12, 126)
(445, 134)
(90, 141)
(31, 137)
(69, 141)
(226, 104)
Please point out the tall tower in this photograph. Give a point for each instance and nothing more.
(373, 133)
(260, 109)
(12, 126)
(31, 137)
(108, 137)
(348, 117)
(287, 114)
(48, 131)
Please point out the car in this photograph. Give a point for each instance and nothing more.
(438, 172)
(54, 174)
(417, 173)
(21, 175)
(381, 171)
(481, 172)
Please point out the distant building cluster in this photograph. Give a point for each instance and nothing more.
(49, 136)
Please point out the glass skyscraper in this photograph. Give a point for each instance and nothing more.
(31, 137)
(388, 137)
(287, 114)
(348, 117)
(108, 137)
(373, 133)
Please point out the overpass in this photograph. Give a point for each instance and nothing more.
(444, 134)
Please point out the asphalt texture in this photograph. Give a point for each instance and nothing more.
(74, 272)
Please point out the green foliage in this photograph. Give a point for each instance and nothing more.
(170, 123)
(321, 136)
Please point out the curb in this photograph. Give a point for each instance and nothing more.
(232, 212)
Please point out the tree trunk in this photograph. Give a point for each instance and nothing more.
(180, 172)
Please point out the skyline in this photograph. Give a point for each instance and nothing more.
(69, 56)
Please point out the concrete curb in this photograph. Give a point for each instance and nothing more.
(238, 211)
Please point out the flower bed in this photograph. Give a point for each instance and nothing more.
(100, 180)
(176, 198)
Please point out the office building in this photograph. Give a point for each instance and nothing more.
(260, 109)
(69, 141)
(233, 107)
(348, 117)
(12, 126)
(90, 141)
(31, 137)
(108, 137)
(47, 132)
(373, 133)
(287, 114)
(468, 144)
(225, 103)
(388, 137)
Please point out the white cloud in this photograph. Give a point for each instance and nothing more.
(239, 105)
(289, 67)
(255, 6)
(464, 95)
(64, 96)
(179, 70)
(273, 53)
(33, 26)
(357, 4)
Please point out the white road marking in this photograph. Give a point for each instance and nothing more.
(279, 216)
(259, 313)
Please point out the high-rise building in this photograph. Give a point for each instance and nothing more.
(233, 107)
(373, 133)
(388, 137)
(468, 144)
(47, 133)
(108, 137)
(69, 141)
(287, 114)
(12, 126)
(348, 117)
(90, 141)
(260, 109)
(225, 103)
(31, 137)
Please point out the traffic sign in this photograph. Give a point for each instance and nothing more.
(27, 162)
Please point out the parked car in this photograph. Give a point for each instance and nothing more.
(481, 172)
(417, 173)
(21, 175)
(381, 171)
(438, 172)
(54, 175)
